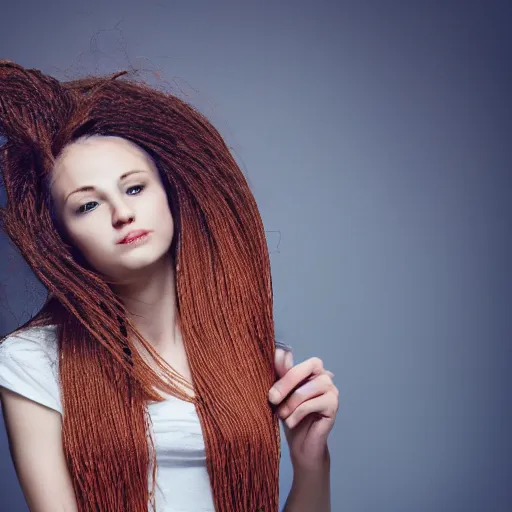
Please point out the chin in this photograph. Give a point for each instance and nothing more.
(144, 261)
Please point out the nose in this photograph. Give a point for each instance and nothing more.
(122, 214)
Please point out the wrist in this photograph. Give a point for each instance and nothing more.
(313, 467)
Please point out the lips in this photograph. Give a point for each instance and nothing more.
(132, 235)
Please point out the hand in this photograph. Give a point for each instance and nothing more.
(307, 401)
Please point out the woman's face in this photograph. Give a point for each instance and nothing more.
(123, 192)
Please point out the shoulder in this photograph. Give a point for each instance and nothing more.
(31, 342)
(29, 364)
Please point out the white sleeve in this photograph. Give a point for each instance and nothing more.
(28, 366)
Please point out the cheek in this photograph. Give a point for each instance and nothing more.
(166, 224)
(89, 238)
(162, 211)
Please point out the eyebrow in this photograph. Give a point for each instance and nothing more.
(88, 188)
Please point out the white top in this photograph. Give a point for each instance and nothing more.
(29, 366)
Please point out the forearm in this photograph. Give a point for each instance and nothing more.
(311, 491)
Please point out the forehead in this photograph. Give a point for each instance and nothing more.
(96, 159)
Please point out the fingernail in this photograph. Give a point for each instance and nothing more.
(274, 395)
(284, 346)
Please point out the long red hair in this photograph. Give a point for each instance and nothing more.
(223, 288)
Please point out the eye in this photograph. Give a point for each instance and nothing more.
(82, 209)
(135, 186)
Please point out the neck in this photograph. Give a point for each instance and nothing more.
(151, 305)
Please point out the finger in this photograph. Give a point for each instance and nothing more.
(329, 373)
(325, 405)
(283, 345)
(278, 354)
(294, 377)
(311, 389)
(280, 362)
(288, 360)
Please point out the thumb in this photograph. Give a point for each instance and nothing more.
(283, 358)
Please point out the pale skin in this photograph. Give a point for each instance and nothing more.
(143, 278)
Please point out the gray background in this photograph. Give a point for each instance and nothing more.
(376, 137)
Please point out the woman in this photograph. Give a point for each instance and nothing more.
(148, 378)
